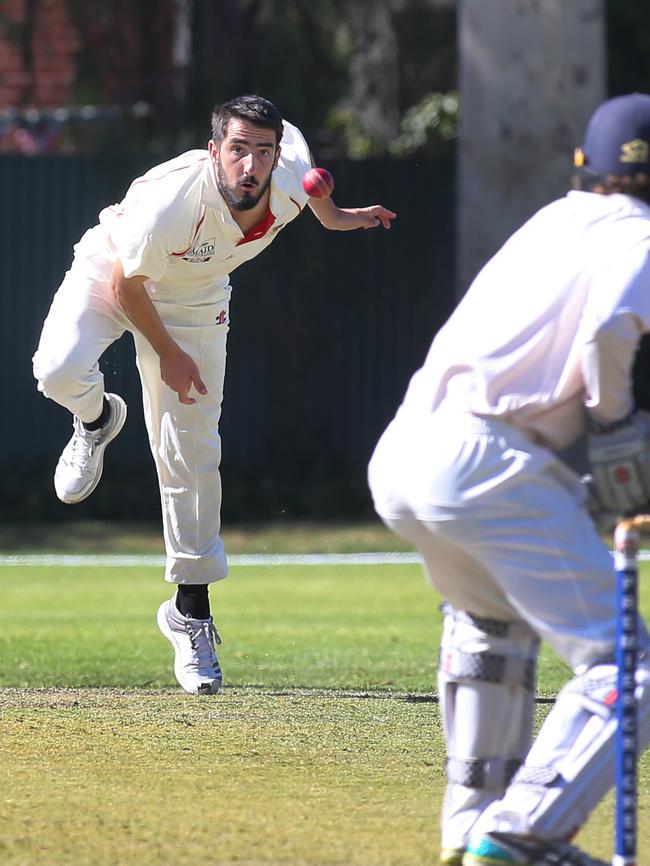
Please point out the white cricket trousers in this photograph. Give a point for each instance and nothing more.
(83, 321)
(501, 525)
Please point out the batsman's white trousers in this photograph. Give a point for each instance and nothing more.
(501, 525)
(83, 321)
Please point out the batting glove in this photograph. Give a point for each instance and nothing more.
(620, 464)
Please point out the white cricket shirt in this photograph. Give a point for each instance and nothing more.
(550, 325)
(174, 226)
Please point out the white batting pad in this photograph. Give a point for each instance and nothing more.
(486, 672)
(571, 764)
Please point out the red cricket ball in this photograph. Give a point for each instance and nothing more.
(318, 183)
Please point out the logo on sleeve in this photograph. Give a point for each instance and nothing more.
(202, 251)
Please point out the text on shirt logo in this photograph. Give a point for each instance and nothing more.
(202, 251)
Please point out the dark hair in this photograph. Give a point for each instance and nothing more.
(637, 185)
(255, 109)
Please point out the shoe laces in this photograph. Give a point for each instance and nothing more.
(84, 443)
(204, 638)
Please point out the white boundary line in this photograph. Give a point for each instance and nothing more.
(257, 560)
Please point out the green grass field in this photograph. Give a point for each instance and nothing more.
(325, 748)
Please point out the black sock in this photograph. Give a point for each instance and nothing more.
(192, 600)
(103, 418)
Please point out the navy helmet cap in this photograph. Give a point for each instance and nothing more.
(617, 140)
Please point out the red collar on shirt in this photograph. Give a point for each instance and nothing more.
(258, 231)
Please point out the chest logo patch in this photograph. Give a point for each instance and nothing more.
(202, 251)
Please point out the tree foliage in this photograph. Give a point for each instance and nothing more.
(362, 78)
(348, 73)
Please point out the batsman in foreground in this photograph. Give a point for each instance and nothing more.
(539, 351)
(158, 265)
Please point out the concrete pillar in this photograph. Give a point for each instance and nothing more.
(531, 73)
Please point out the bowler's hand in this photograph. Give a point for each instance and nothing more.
(345, 219)
(180, 372)
(374, 216)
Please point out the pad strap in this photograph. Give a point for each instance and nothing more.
(545, 776)
(488, 773)
(488, 625)
(488, 667)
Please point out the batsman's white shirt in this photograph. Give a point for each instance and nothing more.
(546, 333)
(174, 227)
(551, 323)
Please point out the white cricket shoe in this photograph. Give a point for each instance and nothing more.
(196, 665)
(451, 857)
(81, 463)
(508, 849)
